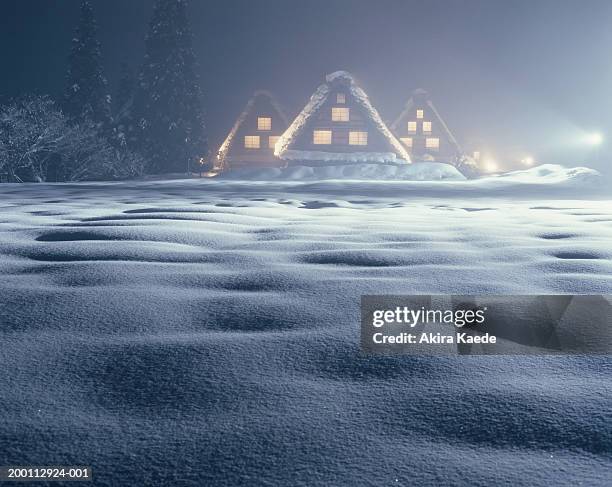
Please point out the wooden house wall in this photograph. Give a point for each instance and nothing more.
(358, 121)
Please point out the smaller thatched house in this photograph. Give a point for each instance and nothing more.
(424, 133)
(251, 142)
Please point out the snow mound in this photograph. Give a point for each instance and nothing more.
(547, 174)
(341, 157)
(422, 171)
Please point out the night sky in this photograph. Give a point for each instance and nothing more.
(513, 78)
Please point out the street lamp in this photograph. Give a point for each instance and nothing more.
(490, 166)
(528, 161)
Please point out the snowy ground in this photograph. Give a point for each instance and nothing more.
(206, 333)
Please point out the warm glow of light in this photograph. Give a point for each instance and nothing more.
(251, 142)
(340, 114)
(432, 143)
(490, 166)
(358, 138)
(264, 123)
(322, 137)
(594, 138)
(528, 161)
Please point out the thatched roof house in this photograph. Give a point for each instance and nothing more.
(339, 125)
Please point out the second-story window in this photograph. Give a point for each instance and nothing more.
(340, 114)
(264, 123)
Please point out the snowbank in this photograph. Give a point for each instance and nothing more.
(437, 173)
(546, 174)
(423, 171)
(341, 157)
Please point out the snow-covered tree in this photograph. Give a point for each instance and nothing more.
(123, 131)
(125, 88)
(168, 102)
(39, 143)
(32, 132)
(87, 96)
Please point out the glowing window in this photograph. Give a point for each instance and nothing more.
(272, 140)
(358, 138)
(411, 126)
(264, 123)
(340, 98)
(407, 141)
(251, 141)
(419, 113)
(476, 155)
(426, 127)
(432, 143)
(322, 137)
(340, 114)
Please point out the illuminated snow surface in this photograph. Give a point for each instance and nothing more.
(206, 332)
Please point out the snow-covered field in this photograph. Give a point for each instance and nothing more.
(206, 332)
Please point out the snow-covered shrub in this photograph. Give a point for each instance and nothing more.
(32, 132)
(38, 143)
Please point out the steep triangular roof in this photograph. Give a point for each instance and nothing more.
(423, 97)
(318, 99)
(227, 143)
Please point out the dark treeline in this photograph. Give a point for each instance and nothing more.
(153, 124)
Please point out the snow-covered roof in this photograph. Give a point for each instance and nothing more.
(227, 143)
(318, 99)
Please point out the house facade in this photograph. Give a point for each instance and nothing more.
(423, 132)
(339, 125)
(250, 144)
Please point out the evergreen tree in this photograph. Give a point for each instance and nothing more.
(168, 106)
(86, 95)
(123, 122)
(125, 89)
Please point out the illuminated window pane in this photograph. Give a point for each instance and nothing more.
(426, 127)
(419, 113)
(272, 140)
(476, 155)
(264, 123)
(340, 114)
(407, 141)
(322, 137)
(358, 138)
(411, 126)
(432, 143)
(251, 141)
(340, 98)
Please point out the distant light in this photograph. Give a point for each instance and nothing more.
(594, 139)
(490, 166)
(528, 161)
